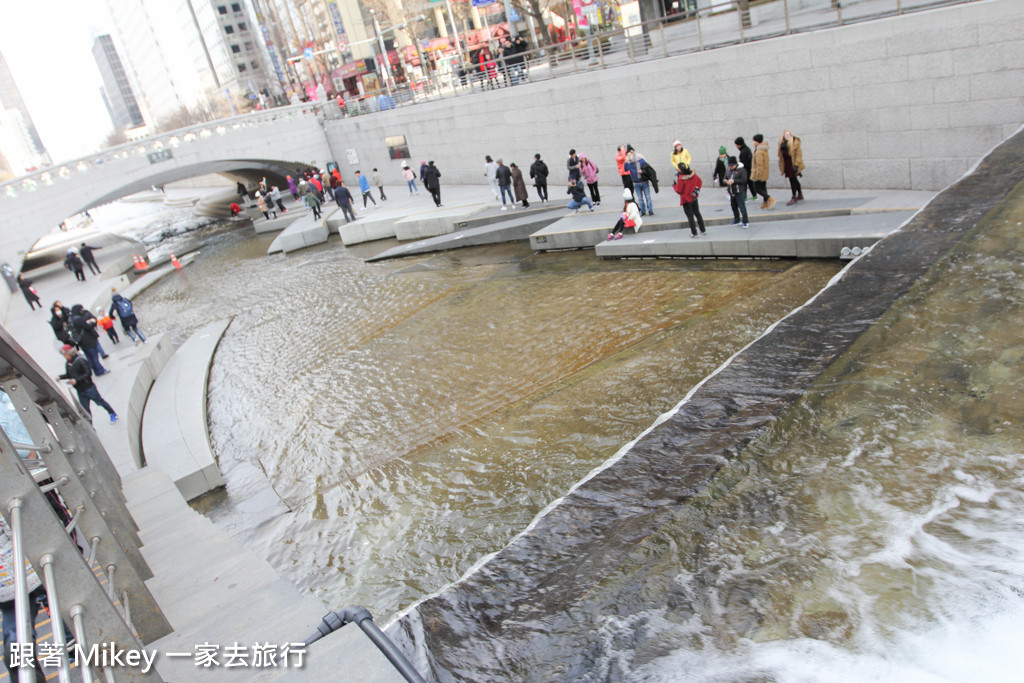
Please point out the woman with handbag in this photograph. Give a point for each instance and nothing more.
(31, 295)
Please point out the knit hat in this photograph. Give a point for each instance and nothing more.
(66, 348)
(721, 150)
(732, 161)
(626, 194)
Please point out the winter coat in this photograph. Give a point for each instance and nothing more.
(720, 172)
(62, 325)
(86, 251)
(577, 193)
(364, 184)
(745, 157)
(115, 311)
(539, 172)
(739, 180)
(589, 169)
(648, 174)
(72, 262)
(26, 289)
(620, 161)
(432, 178)
(687, 187)
(408, 174)
(759, 170)
(795, 153)
(490, 170)
(377, 182)
(84, 325)
(292, 187)
(519, 185)
(342, 195)
(504, 175)
(680, 157)
(423, 173)
(632, 212)
(78, 369)
(311, 200)
(573, 164)
(261, 203)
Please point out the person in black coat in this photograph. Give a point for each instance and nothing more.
(30, 294)
(79, 374)
(747, 160)
(737, 182)
(432, 181)
(83, 323)
(74, 264)
(344, 199)
(60, 321)
(86, 251)
(539, 173)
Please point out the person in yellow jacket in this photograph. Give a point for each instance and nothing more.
(680, 155)
(791, 163)
(759, 171)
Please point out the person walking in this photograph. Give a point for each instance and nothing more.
(410, 179)
(312, 200)
(90, 260)
(423, 170)
(344, 199)
(791, 163)
(379, 184)
(432, 181)
(630, 217)
(579, 197)
(539, 173)
(519, 185)
(687, 186)
(79, 375)
(261, 206)
(759, 171)
(125, 310)
(242, 192)
(588, 169)
(293, 187)
(721, 169)
(746, 160)
(364, 187)
(30, 293)
(73, 263)
(680, 155)
(491, 173)
(737, 183)
(275, 196)
(83, 325)
(504, 176)
(620, 160)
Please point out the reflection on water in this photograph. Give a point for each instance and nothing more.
(414, 415)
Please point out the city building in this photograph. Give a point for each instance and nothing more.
(117, 90)
(20, 143)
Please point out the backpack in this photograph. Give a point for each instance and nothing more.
(124, 308)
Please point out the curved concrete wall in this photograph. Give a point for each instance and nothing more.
(903, 103)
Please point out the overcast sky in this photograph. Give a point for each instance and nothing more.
(48, 46)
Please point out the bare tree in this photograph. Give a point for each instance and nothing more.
(536, 9)
(115, 138)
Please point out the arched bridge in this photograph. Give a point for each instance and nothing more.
(274, 141)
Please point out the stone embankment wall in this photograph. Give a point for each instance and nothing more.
(908, 102)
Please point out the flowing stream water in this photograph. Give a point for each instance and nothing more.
(384, 426)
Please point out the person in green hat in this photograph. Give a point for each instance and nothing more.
(720, 167)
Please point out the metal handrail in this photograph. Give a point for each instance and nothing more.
(362, 618)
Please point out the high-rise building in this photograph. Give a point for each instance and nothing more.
(21, 144)
(117, 90)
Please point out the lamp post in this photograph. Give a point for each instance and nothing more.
(383, 53)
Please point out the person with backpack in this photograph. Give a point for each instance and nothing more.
(539, 173)
(687, 186)
(122, 308)
(589, 171)
(737, 182)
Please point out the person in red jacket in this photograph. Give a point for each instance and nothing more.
(620, 161)
(687, 186)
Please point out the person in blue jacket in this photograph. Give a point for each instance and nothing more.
(364, 187)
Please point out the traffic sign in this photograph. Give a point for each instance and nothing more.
(308, 53)
(342, 45)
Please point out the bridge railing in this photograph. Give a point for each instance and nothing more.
(61, 500)
(156, 145)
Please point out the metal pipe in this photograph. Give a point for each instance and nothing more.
(73, 524)
(47, 448)
(56, 624)
(92, 549)
(23, 627)
(79, 624)
(46, 488)
(785, 7)
(333, 621)
(125, 596)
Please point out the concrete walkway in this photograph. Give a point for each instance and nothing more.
(210, 587)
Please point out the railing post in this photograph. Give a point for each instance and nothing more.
(23, 627)
(700, 31)
(785, 7)
(56, 626)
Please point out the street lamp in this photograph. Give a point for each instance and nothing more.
(384, 55)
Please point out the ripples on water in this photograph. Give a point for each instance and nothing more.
(417, 414)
